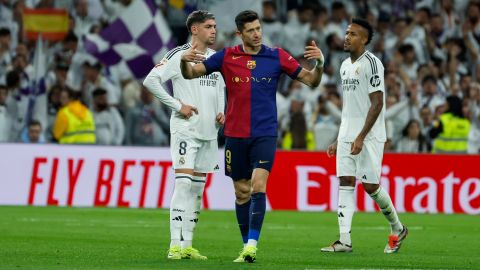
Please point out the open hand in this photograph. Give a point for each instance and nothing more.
(193, 55)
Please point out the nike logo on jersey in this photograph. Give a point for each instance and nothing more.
(235, 57)
(263, 161)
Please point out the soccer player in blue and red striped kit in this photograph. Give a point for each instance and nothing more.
(251, 72)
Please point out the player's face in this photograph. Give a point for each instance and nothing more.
(251, 34)
(206, 31)
(354, 38)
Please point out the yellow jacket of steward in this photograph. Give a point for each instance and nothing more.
(454, 137)
(74, 125)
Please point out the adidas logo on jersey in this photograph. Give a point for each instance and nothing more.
(179, 218)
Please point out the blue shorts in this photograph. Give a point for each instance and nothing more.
(243, 155)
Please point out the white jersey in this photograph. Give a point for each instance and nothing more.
(205, 93)
(359, 79)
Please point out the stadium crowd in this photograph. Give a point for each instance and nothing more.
(430, 50)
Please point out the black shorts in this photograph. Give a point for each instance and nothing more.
(243, 155)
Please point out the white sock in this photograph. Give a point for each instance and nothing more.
(192, 213)
(178, 206)
(346, 208)
(381, 197)
(252, 242)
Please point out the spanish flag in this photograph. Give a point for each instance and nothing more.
(52, 23)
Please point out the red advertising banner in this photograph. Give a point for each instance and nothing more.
(304, 181)
(417, 183)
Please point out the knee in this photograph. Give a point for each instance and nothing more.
(242, 194)
(370, 188)
(347, 181)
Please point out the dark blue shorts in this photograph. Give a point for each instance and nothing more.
(243, 155)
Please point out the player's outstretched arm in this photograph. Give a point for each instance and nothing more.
(312, 77)
(192, 71)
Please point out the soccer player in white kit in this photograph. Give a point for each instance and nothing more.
(193, 127)
(361, 138)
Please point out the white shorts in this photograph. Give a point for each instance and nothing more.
(366, 166)
(192, 153)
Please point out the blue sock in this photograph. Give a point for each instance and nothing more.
(243, 218)
(257, 213)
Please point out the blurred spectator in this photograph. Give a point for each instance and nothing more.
(34, 133)
(5, 50)
(147, 123)
(298, 136)
(338, 21)
(325, 124)
(297, 30)
(452, 129)
(430, 96)
(74, 123)
(474, 107)
(54, 105)
(412, 140)
(426, 124)
(83, 22)
(109, 127)
(94, 80)
(271, 26)
(4, 115)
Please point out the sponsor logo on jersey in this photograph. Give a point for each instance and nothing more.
(375, 81)
(251, 64)
(350, 84)
(247, 79)
(163, 62)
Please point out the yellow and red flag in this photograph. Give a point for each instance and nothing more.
(52, 23)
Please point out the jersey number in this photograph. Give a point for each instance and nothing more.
(183, 148)
(228, 156)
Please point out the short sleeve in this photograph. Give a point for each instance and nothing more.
(214, 63)
(168, 68)
(374, 74)
(288, 64)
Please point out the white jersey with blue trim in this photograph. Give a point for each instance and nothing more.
(358, 80)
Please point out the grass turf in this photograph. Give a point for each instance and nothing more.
(103, 238)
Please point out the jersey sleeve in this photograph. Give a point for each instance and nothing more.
(374, 73)
(288, 64)
(214, 63)
(168, 68)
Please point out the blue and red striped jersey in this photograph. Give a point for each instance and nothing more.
(251, 82)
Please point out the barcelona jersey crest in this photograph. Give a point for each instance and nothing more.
(251, 64)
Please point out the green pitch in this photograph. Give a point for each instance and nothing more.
(86, 238)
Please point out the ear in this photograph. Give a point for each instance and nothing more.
(194, 28)
(238, 33)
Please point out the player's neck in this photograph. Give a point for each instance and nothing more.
(200, 45)
(355, 55)
(251, 49)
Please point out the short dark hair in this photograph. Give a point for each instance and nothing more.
(70, 37)
(429, 78)
(244, 17)
(99, 92)
(198, 16)
(3, 87)
(12, 79)
(34, 123)
(4, 32)
(365, 24)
